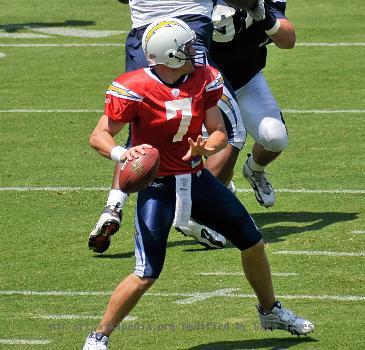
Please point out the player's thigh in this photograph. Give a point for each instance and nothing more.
(218, 208)
(257, 102)
(153, 219)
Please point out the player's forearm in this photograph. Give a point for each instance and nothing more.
(285, 37)
(102, 138)
(217, 140)
(217, 132)
(102, 142)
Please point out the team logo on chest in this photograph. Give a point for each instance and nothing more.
(175, 92)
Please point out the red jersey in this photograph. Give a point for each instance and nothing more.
(164, 116)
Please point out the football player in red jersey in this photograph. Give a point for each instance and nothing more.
(197, 14)
(167, 104)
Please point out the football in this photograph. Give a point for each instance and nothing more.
(138, 173)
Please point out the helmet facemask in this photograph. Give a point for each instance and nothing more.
(198, 58)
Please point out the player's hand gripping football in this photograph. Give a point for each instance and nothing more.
(134, 152)
(198, 147)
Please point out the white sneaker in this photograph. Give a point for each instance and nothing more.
(96, 341)
(280, 318)
(108, 225)
(264, 192)
(204, 235)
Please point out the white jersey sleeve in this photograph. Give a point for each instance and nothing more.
(144, 12)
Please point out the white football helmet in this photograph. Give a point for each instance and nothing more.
(164, 42)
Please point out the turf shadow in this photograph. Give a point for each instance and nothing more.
(269, 343)
(128, 255)
(283, 224)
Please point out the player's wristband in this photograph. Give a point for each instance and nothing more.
(274, 29)
(117, 153)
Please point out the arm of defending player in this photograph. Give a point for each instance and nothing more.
(285, 37)
(275, 24)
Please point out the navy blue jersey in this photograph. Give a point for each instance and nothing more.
(243, 57)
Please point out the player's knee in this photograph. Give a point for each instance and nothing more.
(144, 283)
(273, 135)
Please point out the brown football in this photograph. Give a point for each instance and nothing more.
(138, 173)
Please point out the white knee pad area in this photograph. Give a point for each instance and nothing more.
(272, 135)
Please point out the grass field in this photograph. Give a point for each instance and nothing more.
(56, 60)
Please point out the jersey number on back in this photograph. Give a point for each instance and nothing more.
(183, 105)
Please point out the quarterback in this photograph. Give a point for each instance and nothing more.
(167, 104)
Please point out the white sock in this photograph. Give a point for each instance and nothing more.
(115, 197)
(254, 166)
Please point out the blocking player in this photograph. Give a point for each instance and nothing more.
(197, 13)
(167, 104)
(239, 50)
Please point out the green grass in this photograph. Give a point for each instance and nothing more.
(44, 233)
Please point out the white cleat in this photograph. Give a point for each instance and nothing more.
(107, 225)
(264, 192)
(96, 341)
(280, 318)
(204, 235)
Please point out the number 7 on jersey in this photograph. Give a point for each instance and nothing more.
(183, 105)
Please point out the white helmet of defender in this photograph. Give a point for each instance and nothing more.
(164, 42)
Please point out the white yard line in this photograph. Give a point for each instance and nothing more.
(323, 111)
(331, 44)
(185, 298)
(317, 252)
(220, 273)
(54, 293)
(358, 232)
(54, 189)
(51, 111)
(24, 341)
(344, 44)
(293, 111)
(64, 45)
(77, 317)
(240, 190)
(306, 190)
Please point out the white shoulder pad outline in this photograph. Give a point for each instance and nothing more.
(120, 91)
(217, 83)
